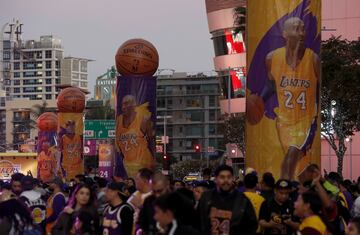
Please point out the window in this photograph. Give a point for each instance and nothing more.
(16, 82)
(75, 65)
(212, 129)
(38, 54)
(193, 102)
(16, 65)
(17, 90)
(57, 89)
(48, 73)
(57, 73)
(194, 116)
(48, 89)
(48, 81)
(57, 64)
(39, 65)
(212, 101)
(16, 74)
(48, 96)
(83, 84)
(48, 54)
(29, 74)
(48, 64)
(58, 81)
(16, 55)
(29, 65)
(6, 55)
(83, 66)
(7, 66)
(83, 76)
(212, 115)
(194, 130)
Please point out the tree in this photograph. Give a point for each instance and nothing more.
(340, 96)
(233, 129)
(104, 112)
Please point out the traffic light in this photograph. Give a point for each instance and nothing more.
(166, 162)
(197, 148)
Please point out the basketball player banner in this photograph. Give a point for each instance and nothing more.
(282, 102)
(70, 135)
(135, 124)
(48, 155)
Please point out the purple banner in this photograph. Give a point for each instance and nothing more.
(135, 124)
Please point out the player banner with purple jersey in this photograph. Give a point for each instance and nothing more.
(282, 97)
(135, 124)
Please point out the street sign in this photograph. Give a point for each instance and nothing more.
(159, 149)
(164, 139)
(99, 129)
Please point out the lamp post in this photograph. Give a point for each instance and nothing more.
(165, 140)
(349, 140)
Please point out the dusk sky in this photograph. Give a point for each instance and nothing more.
(95, 29)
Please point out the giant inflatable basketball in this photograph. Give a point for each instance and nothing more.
(47, 122)
(71, 100)
(137, 57)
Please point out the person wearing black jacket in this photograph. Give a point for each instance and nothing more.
(225, 210)
(170, 212)
(160, 186)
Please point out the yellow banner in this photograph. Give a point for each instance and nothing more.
(282, 102)
(70, 133)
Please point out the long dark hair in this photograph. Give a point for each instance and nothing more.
(72, 202)
(17, 213)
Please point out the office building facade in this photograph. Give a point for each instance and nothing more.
(189, 112)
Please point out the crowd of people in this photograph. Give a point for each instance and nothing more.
(152, 203)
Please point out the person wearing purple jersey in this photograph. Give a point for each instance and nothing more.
(118, 216)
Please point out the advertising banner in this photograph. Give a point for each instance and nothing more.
(135, 124)
(70, 132)
(282, 102)
(106, 157)
(48, 156)
(11, 163)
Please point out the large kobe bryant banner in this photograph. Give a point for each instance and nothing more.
(135, 124)
(283, 100)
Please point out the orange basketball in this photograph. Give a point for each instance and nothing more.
(137, 57)
(71, 100)
(254, 109)
(47, 121)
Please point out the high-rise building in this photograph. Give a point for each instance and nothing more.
(31, 73)
(230, 53)
(188, 113)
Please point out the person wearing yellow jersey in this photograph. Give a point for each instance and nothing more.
(46, 163)
(308, 207)
(133, 131)
(251, 181)
(293, 75)
(71, 145)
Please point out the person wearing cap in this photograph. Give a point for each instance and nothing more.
(55, 203)
(224, 210)
(119, 215)
(276, 214)
(199, 187)
(34, 201)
